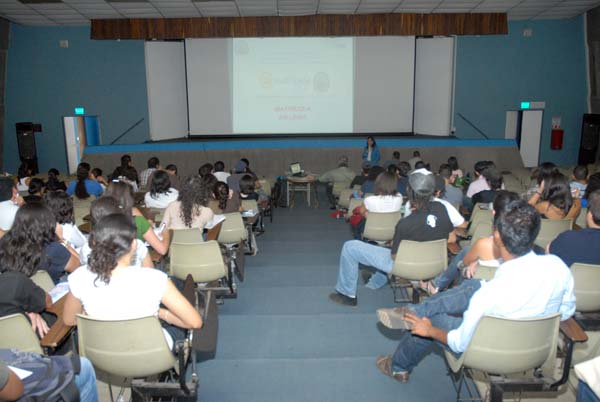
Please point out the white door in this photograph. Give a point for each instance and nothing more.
(531, 134)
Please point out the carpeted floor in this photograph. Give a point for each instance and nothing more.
(283, 340)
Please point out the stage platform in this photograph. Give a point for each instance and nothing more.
(271, 156)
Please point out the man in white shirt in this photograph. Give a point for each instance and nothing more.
(220, 172)
(10, 201)
(526, 285)
(416, 158)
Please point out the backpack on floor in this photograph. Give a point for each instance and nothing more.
(52, 378)
(279, 192)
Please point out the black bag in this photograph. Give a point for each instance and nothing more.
(52, 378)
(279, 192)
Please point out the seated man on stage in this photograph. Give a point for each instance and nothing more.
(428, 221)
(526, 285)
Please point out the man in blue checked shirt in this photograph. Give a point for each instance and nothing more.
(526, 285)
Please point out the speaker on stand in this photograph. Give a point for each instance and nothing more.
(590, 139)
(26, 143)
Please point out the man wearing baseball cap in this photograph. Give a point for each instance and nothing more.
(428, 221)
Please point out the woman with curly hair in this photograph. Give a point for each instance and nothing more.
(109, 288)
(123, 193)
(61, 206)
(161, 193)
(32, 244)
(554, 200)
(190, 210)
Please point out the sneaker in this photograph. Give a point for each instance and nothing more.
(343, 299)
(384, 364)
(393, 318)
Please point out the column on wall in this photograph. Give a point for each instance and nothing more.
(593, 43)
(4, 32)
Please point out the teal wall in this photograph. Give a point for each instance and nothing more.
(495, 73)
(45, 82)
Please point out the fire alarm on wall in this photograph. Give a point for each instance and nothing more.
(528, 32)
(63, 43)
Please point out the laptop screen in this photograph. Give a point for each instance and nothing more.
(295, 168)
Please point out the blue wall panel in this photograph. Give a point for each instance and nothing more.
(495, 73)
(46, 82)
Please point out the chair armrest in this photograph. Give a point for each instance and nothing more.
(571, 329)
(454, 248)
(59, 331)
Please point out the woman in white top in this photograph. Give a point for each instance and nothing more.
(61, 206)
(109, 288)
(386, 199)
(161, 193)
(190, 211)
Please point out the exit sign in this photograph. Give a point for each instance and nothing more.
(79, 110)
(525, 105)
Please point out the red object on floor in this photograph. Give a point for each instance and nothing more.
(556, 138)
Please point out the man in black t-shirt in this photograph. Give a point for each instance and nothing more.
(429, 221)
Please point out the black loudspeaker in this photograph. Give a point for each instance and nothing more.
(26, 143)
(590, 139)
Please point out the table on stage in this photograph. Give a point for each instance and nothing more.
(306, 184)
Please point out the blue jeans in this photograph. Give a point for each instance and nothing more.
(585, 393)
(445, 311)
(357, 252)
(86, 382)
(445, 279)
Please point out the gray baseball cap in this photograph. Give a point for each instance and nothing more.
(422, 182)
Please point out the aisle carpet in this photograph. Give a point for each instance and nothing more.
(283, 340)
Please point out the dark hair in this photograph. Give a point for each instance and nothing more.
(404, 168)
(85, 165)
(61, 206)
(393, 169)
(374, 172)
(419, 165)
(386, 184)
(594, 206)
(82, 174)
(493, 177)
(193, 195)
(445, 171)
(6, 188)
(104, 206)
(96, 172)
(161, 183)
(111, 239)
(221, 194)
(396, 155)
(246, 161)
(123, 193)
(374, 142)
(453, 163)
(25, 170)
(480, 166)
(416, 153)
(219, 166)
(247, 184)
(22, 247)
(557, 191)
(171, 167)
(518, 227)
(205, 169)
(501, 199)
(36, 185)
(53, 183)
(580, 172)
(153, 163)
(366, 169)
(418, 201)
(544, 171)
(125, 161)
(53, 172)
(593, 185)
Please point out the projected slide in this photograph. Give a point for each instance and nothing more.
(293, 85)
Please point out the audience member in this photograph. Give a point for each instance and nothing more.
(341, 174)
(368, 187)
(394, 161)
(359, 179)
(578, 245)
(239, 170)
(493, 178)
(479, 184)
(61, 206)
(554, 201)
(126, 170)
(9, 202)
(24, 174)
(580, 179)
(172, 171)
(220, 173)
(161, 193)
(190, 210)
(593, 185)
(108, 287)
(224, 201)
(456, 171)
(247, 188)
(458, 221)
(96, 174)
(35, 190)
(429, 221)
(123, 193)
(205, 169)
(452, 194)
(153, 166)
(403, 172)
(413, 161)
(537, 285)
(371, 152)
(83, 188)
(54, 183)
(248, 170)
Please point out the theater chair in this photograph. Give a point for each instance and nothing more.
(549, 229)
(265, 185)
(16, 333)
(416, 261)
(137, 353)
(480, 230)
(354, 202)
(515, 355)
(254, 224)
(380, 227)
(587, 296)
(344, 199)
(232, 237)
(43, 280)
